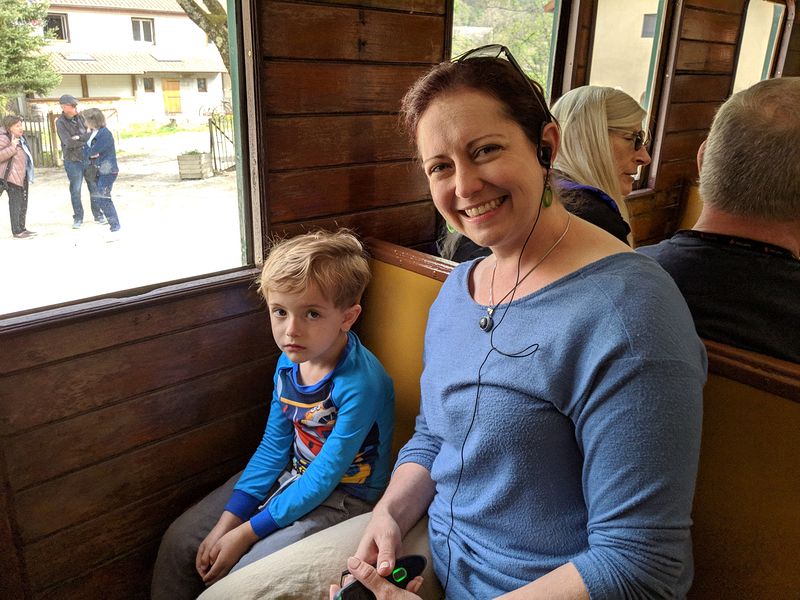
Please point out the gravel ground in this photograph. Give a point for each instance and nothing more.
(171, 229)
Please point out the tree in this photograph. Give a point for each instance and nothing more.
(524, 26)
(213, 20)
(24, 68)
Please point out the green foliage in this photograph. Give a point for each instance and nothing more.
(522, 25)
(137, 130)
(23, 66)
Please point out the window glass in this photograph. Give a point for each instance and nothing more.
(177, 195)
(56, 26)
(143, 30)
(202, 85)
(627, 39)
(759, 43)
(528, 28)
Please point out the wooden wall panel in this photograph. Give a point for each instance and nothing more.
(710, 26)
(329, 141)
(691, 87)
(85, 334)
(300, 195)
(90, 382)
(310, 88)
(339, 33)
(690, 115)
(404, 225)
(80, 549)
(705, 57)
(332, 78)
(731, 6)
(101, 488)
(64, 446)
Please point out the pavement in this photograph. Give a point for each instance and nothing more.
(171, 229)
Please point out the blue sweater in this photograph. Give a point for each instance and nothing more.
(337, 432)
(585, 450)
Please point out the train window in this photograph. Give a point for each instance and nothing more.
(179, 208)
(528, 29)
(759, 45)
(627, 39)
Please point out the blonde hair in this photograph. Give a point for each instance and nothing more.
(335, 262)
(585, 155)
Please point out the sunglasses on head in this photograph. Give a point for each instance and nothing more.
(500, 51)
(639, 138)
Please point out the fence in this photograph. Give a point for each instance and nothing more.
(40, 133)
(223, 150)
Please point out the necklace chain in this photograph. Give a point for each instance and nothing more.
(492, 306)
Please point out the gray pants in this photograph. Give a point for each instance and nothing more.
(175, 576)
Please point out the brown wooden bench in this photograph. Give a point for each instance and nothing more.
(747, 506)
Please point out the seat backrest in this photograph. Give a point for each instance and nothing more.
(746, 514)
(392, 325)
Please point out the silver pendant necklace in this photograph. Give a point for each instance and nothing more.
(486, 323)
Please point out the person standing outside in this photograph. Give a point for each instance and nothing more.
(16, 166)
(101, 166)
(73, 134)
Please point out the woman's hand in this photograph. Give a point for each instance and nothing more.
(227, 522)
(380, 542)
(14, 141)
(228, 550)
(383, 590)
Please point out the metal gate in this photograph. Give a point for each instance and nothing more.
(42, 140)
(223, 150)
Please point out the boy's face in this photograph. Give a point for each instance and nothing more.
(308, 327)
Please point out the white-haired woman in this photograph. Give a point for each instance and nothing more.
(603, 147)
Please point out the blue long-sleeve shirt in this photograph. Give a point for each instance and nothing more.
(337, 432)
(585, 450)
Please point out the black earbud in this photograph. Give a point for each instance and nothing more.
(545, 155)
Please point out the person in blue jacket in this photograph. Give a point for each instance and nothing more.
(325, 454)
(101, 168)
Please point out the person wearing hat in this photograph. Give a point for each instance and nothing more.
(73, 134)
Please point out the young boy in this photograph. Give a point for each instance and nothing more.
(325, 453)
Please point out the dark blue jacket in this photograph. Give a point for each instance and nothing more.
(106, 161)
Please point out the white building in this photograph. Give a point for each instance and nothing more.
(145, 60)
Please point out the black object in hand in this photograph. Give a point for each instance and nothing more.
(405, 569)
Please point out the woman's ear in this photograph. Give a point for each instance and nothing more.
(551, 140)
(350, 316)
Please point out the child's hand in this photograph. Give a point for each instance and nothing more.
(228, 550)
(226, 523)
(382, 589)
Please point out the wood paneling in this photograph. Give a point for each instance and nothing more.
(300, 195)
(415, 6)
(112, 484)
(50, 343)
(682, 145)
(691, 116)
(300, 88)
(64, 446)
(308, 142)
(338, 33)
(690, 87)
(731, 6)
(81, 548)
(710, 26)
(400, 224)
(677, 172)
(89, 382)
(705, 57)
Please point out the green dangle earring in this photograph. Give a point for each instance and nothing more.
(547, 194)
(450, 228)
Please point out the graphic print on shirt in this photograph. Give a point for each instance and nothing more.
(313, 414)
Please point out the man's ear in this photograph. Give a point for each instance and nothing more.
(350, 316)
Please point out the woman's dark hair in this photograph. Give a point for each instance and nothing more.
(10, 121)
(494, 76)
